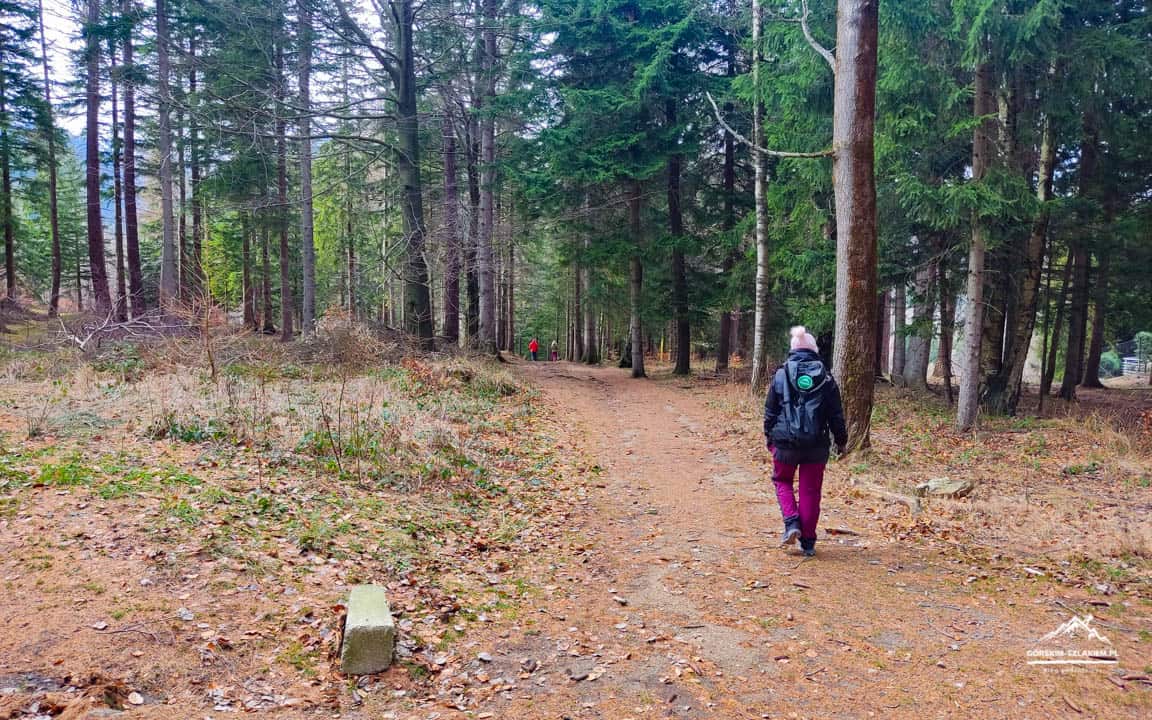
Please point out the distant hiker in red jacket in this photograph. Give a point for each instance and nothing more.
(802, 407)
(534, 347)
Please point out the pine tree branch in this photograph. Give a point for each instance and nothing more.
(802, 21)
(823, 51)
(763, 151)
(387, 60)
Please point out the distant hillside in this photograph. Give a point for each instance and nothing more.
(77, 144)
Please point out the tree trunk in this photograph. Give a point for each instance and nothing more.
(6, 213)
(854, 182)
(287, 303)
(350, 257)
(575, 335)
(53, 204)
(1081, 267)
(1003, 288)
(982, 149)
(591, 346)
(1005, 394)
(307, 240)
(683, 364)
(451, 231)
(760, 333)
(169, 268)
(604, 335)
(79, 286)
(472, 280)
(349, 212)
(1048, 371)
(998, 284)
(636, 282)
(569, 355)
(248, 292)
(117, 193)
(137, 301)
(1006, 387)
(724, 342)
(1045, 329)
(98, 269)
(728, 218)
(498, 287)
(880, 332)
(268, 327)
(899, 334)
(947, 323)
(184, 261)
(387, 302)
(1077, 322)
(417, 299)
(994, 316)
(915, 372)
(741, 342)
(1100, 307)
(199, 291)
(510, 270)
(487, 181)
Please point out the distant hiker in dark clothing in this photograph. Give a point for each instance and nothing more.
(534, 347)
(802, 407)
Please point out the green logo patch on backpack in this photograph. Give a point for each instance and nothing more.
(804, 382)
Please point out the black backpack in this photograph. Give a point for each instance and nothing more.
(801, 413)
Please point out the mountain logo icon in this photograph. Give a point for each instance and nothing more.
(1078, 628)
(1074, 643)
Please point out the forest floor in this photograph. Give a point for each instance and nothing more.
(558, 541)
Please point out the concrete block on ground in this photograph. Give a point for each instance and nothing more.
(369, 632)
(946, 487)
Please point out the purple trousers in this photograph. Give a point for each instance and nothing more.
(811, 480)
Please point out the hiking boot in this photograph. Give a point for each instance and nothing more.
(808, 545)
(791, 530)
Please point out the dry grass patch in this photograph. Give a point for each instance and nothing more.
(154, 507)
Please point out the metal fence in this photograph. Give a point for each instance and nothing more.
(1134, 359)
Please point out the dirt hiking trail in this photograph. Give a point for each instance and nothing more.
(683, 605)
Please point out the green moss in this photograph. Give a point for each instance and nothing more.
(72, 472)
(183, 511)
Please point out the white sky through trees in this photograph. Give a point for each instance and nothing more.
(62, 31)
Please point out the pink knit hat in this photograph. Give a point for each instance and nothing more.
(803, 340)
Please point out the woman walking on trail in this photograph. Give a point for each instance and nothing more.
(802, 407)
(554, 353)
(534, 347)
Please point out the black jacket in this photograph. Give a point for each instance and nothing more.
(831, 411)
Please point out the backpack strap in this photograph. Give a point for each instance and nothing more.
(787, 385)
(789, 382)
